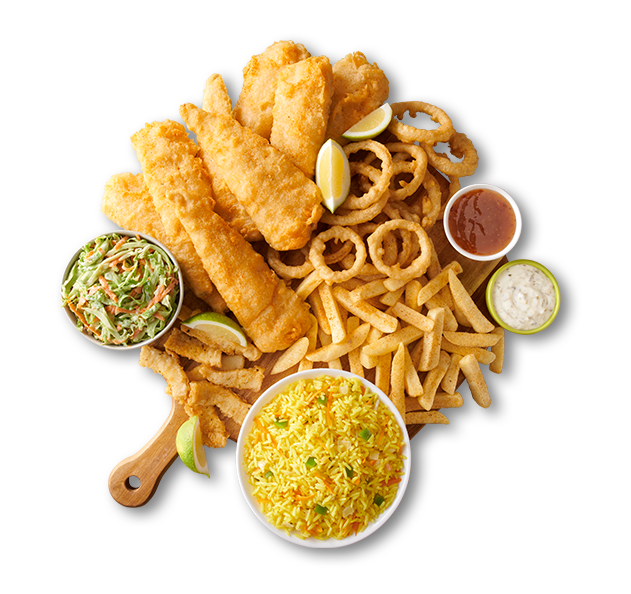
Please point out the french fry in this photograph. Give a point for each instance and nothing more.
(450, 324)
(473, 374)
(309, 284)
(394, 284)
(425, 418)
(438, 282)
(368, 290)
(413, 385)
(292, 356)
(333, 314)
(365, 311)
(392, 297)
(432, 381)
(450, 379)
(370, 361)
(483, 356)
(463, 301)
(444, 400)
(390, 342)
(335, 350)
(317, 309)
(471, 339)
(397, 380)
(411, 316)
(354, 363)
(411, 294)
(312, 335)
(432, 340)
(441, 400)
(325, 340)
(498, 350)
(382, 372)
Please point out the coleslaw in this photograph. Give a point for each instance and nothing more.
(122, 289)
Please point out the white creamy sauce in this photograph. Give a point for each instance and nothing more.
(523, 296)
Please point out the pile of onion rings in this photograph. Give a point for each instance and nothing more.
(399, 188)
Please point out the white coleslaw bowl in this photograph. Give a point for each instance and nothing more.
(246, 488)
(115, 347)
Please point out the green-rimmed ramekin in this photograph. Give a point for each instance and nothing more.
(489, 300)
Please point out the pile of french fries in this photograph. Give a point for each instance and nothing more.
(412, 338)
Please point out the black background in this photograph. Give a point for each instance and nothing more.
(498, 487)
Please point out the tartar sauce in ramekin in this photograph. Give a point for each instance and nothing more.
(523, 297)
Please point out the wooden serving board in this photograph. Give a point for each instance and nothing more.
(153, 460)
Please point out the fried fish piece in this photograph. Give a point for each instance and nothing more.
(271, 313)
(249, 378)
(216, 99)
(128, 203)
(191, 348)
(283, 202)
(207, 394)
(301, 111)
(169, 368)
(213, 429)
(216, 96)
(358, 89)
(256, 101)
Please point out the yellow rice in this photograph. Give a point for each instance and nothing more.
(313, 468)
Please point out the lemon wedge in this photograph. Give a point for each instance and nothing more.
(372, 125)
(217, 325)
(333, 175)
(190, 447)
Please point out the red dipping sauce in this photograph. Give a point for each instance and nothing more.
(482, 222)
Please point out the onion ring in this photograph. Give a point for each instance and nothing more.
(372, 193)
(355, 217)
(286, 271)
(380, 186)
(410, 133)
(417, 267)
(316, 254)
(417, 167)
(432, 202)
(460, 146)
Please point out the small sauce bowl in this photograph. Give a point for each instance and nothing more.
(119, 347)
(491, 305)
(462, 250)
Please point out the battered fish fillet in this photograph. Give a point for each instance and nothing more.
(207, 394)
(213, 429)
(187, 346)
(272, 315)
(358, 89)
(256, 101)
(169, 368)
(128, 203)
(216, 99)
(284, 204)
(301, 111)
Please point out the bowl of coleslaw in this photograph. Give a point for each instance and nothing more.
(122, 290)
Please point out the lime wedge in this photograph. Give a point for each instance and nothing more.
(372, 125)
(333, 175)
(190, 446)
(216, 324)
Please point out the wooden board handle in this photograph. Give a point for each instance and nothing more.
(149, 464)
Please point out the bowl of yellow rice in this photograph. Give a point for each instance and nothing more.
(323, 458)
